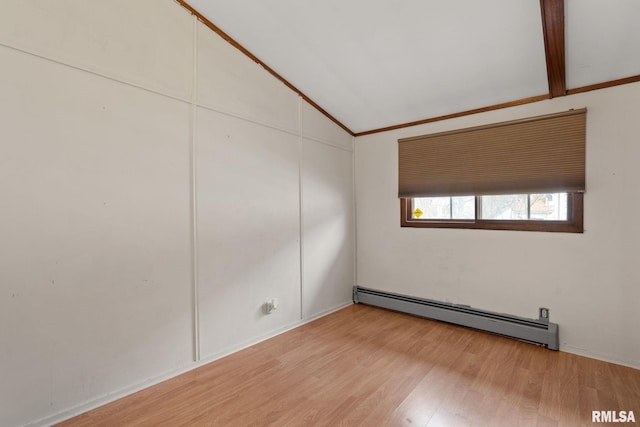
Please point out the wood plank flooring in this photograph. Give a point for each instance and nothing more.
(364, 366)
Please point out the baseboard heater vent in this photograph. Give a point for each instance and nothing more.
(536, 331)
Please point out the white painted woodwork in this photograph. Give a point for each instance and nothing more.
(248, 230)
(97, 257)
(588, 281)
(327, 201)
(94, 261)
(231, 82)
(97, 121)
(317, 126)
(145, 42)
(377, 63)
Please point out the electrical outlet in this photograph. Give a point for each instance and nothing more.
(270, 306)
(543, 314)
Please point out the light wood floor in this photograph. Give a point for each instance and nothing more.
(371, 367)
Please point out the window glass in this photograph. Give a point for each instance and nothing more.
(548, 207)
(432, 208)
(561, 212)
(511, 206)
(463, 207)
(536, 207)
(444, 207)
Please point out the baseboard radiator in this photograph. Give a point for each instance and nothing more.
(539, 331)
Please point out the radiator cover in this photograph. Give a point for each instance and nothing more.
(538, 331)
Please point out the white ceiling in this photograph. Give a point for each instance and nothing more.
(378, 63)
(602, 40)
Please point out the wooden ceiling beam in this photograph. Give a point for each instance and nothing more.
(553, 30)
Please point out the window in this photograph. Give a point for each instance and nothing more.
(560, 212)
(526, 174)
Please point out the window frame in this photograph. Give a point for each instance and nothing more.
(573, 224)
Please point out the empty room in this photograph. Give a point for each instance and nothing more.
(297, 213)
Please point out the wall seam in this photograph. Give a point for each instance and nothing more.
(194, 198)
(355, 212)
(193, 101)
(328, 144)
(301, 201)
(159, 92)
(238, 116)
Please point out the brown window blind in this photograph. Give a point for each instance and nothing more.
(536, 155)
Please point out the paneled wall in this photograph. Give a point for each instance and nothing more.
(157, 188)
(588, 281)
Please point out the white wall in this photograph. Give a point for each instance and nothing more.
(115, 133)
(590, 281)
(327, 211)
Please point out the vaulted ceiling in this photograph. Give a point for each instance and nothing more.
(375, 64)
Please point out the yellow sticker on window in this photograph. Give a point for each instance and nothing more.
(417, 213)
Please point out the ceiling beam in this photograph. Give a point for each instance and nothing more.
(553, 30)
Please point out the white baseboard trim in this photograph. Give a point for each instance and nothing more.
(635, 364)
(126, 391)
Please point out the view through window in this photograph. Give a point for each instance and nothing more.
(538, 207)
(527, 212)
